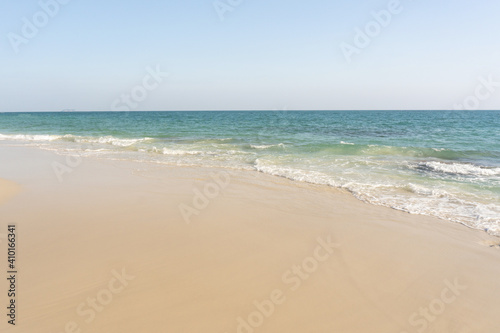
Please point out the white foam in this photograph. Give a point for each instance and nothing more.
(294, 173)
(73, 138)
(106, 140)
(267, 146)
(410, 197)
(166, 151)
(429, 192)
(460, 168)
(27, 137)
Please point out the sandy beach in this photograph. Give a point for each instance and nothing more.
(8, 189)
(112, 246)
(233, 166)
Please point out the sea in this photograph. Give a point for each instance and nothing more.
(444, 164)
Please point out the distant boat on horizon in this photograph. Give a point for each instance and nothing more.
(68, 110)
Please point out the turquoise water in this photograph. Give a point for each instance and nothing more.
(443, 164)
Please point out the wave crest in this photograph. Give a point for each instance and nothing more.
(74, 138)
(465, 169)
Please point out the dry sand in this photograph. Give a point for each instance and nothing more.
(108, 250)
(8, 189)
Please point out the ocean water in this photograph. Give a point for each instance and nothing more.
(437, 163)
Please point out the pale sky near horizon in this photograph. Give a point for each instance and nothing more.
(264, 55)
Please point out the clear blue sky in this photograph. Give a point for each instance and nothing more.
(268, 55)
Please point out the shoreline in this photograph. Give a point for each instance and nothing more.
(306, 257)
(340, 190)
(426, 179)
